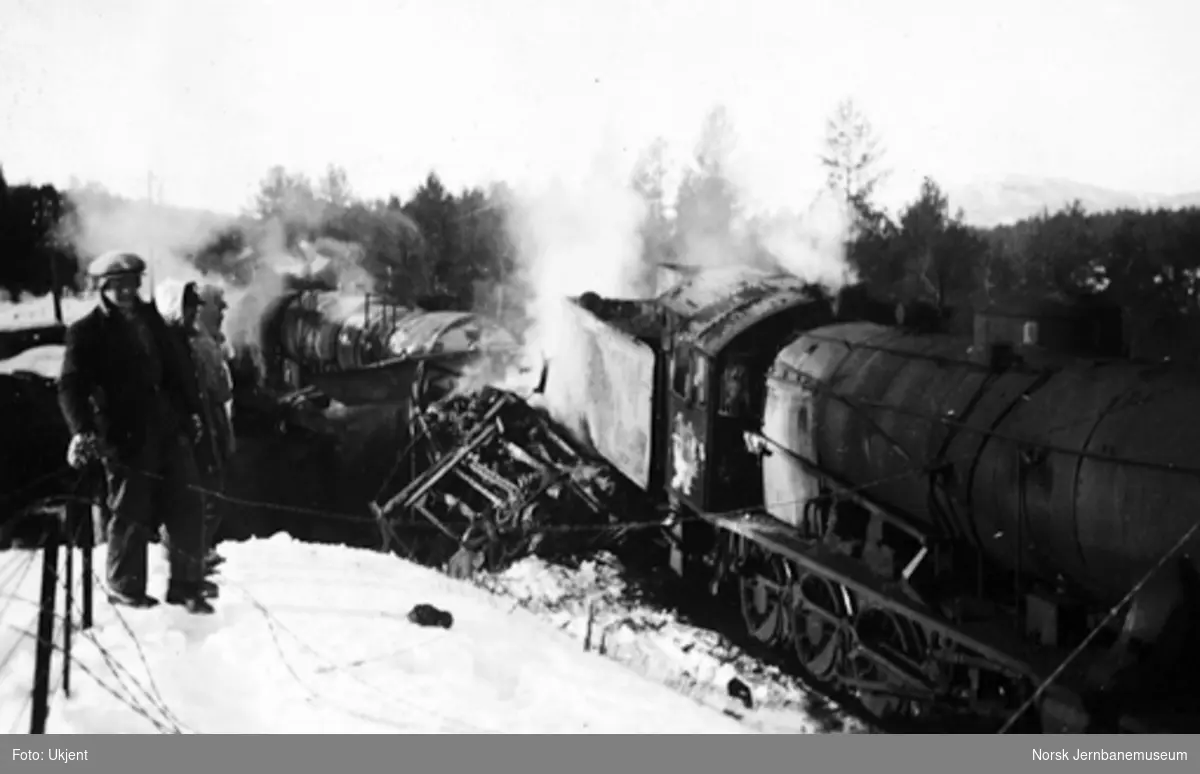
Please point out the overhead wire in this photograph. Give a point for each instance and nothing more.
(124, 700)
(153, 694)
(1112, 613)
(128, 699)
(113, 663)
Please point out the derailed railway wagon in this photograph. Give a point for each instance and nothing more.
(997, 527)
(334, 383)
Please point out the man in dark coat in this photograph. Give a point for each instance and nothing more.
(127, 392)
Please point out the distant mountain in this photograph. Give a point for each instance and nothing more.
(996, 202)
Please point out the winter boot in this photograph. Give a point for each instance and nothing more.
(209, 590)
(189, 596)
(213, 560)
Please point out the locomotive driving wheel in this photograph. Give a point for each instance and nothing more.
(883, 633)
(818, 624)
(764, 589)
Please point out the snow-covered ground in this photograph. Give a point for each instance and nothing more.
(32, 312)
(315, 639)
(45, 360)
(595, 604)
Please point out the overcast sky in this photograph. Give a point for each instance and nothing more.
(209, 94)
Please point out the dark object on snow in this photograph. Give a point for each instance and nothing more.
(740, 691)
(428, 615)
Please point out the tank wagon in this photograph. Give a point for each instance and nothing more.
(362, 348)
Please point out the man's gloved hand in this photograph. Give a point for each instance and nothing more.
(83, 450)
(197, 428)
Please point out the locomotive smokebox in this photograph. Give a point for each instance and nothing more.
(1057, 326)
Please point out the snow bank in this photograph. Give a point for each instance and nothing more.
(594, 605)
(315, 639)
(45, 361)
(31, 312)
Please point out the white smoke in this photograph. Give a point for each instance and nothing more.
(811, 245)
(573, 236)
(163, 235)
(729, 211)
(588, 234)
(270, 264)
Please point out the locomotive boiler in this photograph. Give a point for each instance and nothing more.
(362, 348)
(990, 525)
(1075, 470)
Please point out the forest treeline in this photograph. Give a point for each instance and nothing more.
(450, 248)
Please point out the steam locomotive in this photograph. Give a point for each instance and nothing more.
(997, 525)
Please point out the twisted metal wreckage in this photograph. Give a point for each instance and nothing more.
(501, 482)
(481, 476)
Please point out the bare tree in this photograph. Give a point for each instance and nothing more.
(707, 208)
(852, 158)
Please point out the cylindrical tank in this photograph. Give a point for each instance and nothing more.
(324, 332)
(882, 409)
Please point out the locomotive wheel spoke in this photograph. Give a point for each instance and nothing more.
(818, 614)
(765, 597)
(881, 631)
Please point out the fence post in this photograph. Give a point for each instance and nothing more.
(70, 526)
(97, 521)
(88, 546)
(45, 629)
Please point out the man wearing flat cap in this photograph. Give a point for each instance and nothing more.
(125, 393)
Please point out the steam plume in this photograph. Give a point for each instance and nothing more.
(164, 235)
(573, 236)
(727, 216)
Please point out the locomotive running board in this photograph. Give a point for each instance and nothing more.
(1007, 650)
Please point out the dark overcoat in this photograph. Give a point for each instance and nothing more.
(106, 387)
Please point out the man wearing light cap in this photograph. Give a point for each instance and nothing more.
(124, 393)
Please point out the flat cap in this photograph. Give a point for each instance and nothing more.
(116, 263)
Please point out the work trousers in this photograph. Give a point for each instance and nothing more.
(214, 485)
(153, 490)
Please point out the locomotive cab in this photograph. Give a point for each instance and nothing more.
(730, 324)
